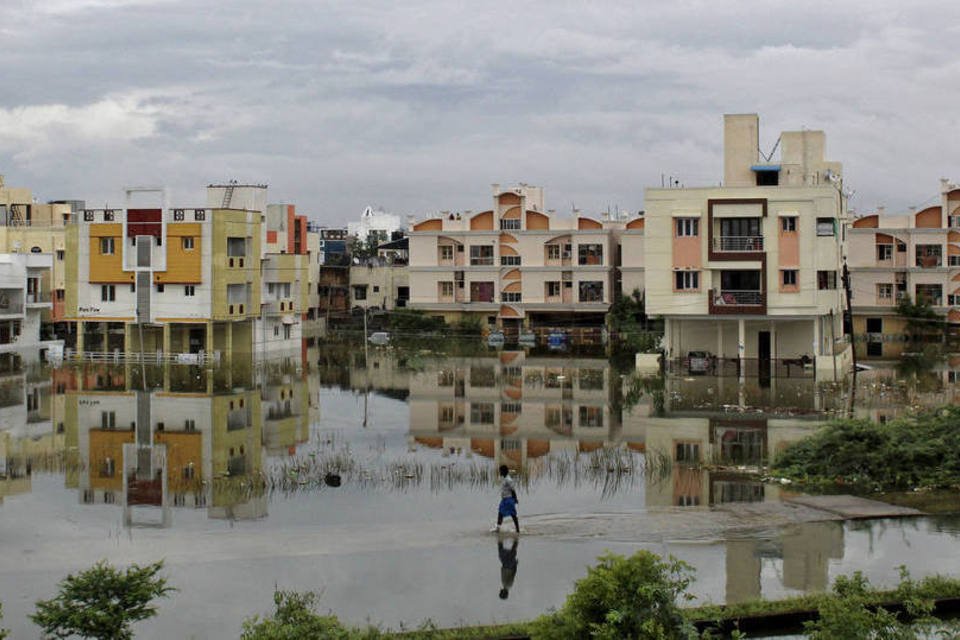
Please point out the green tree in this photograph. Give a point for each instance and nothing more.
(102, 602)
(627, 317)
(295, 618)
(3, 632)
(923, 323)
(633, 597)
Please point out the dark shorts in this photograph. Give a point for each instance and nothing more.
(508, 507)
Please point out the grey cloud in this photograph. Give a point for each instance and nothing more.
(418, 106)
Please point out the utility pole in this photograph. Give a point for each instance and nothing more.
(848, 316)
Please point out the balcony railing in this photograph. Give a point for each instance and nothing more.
(42, 297)
(739, 297)
(738, 243)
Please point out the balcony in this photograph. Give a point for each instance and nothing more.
(737, 301)
(738, 244)
(41, 298)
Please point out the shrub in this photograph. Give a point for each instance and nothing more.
(633, 597)
(102, 602)
(295, 618)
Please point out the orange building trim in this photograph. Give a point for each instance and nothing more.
(482, 221)
(434, 224)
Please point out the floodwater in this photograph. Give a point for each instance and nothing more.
(372, 481)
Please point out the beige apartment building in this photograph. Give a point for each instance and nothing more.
(516, 264)
(915, 254)
(750, 272)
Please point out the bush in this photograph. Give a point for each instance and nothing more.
(411, 323)
(921, 450)
(295, 618)
(633, 597)
(102, 602)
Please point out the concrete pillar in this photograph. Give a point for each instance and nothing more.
(774, 355)
(816, 337)
(166, 352)
(668, 338)
(720, 339)
(741, 346)
(127, 338)
(105, 337)
(81, 327)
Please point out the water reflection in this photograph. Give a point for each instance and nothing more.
(138, 439)
(507, 548)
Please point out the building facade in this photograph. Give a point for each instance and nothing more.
(375, 226)
(915, 255)
(217, 280)
(515, 265)
(750, 272)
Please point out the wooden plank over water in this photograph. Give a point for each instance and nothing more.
(854, 507)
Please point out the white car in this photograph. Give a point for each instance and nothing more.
(379, 338)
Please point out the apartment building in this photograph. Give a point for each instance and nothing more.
(915, 254)
(27, 226)
(516, 264)
(222, 279)
(750, 271)
(25, 302)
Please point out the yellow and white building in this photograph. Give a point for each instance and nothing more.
(750, 271)
(516, 264)
(222, 279)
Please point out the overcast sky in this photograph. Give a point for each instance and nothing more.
(419, 106)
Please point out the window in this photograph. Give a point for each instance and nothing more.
(687, 280)
(590, 254)
(61, 294)
(825, 227)
(446, 414)
(511, 407)
(884, 252)
(510, 261)
(932, 294)
(108, 293)
(189, 290)
(511, 296)
(360, 292)
(160, 288)
(953, 261)
(788, 278)
(481, 412)
(688, 227)
(788, 224)
(481, 255)
(186, 243)
(60, 254)
(276, 331)
(553, 289)
(106, 246)
(826, 280)
(929, 255)
(688, 452)
(874, 325)
(446, 252)
(286, 332)
(591, 291)
(884, 291)
(953, 221)
(446, 289)
(108, 419)
(189, 425)
(510, 224)
(875, 349)
(481, 292)
(591, 416)
(376, 289)
(553, 252)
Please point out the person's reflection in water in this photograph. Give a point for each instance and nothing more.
(508, 565)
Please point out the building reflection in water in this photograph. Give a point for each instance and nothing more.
(193, 439)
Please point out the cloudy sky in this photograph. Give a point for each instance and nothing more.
(419, 106)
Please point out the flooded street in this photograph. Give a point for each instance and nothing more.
(373, 483)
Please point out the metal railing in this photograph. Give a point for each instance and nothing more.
(738, 243)
(739, 297)
(135, 357)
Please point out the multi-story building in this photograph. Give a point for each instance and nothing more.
(30, 227)
(25, 300)
(915, 254)
(375, 227)
(750, 271)
(514, 265)
(220, 279)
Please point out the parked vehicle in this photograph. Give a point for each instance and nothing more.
(557, 340)
(527, 339)
(496, 339)
(379, 338)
